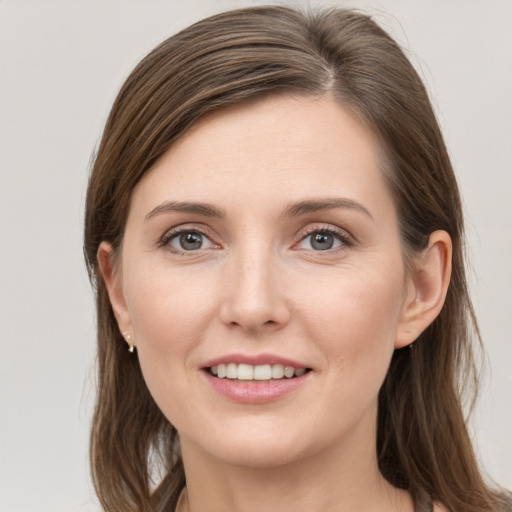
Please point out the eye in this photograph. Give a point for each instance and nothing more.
(323, 240)
(188, 241)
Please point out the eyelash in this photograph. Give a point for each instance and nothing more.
(345, 239)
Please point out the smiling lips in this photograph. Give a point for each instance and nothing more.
(255, 380)
(262, 372)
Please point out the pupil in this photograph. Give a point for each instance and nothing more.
(191, 241)
(322, 241)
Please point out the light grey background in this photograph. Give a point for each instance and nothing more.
(61, 64)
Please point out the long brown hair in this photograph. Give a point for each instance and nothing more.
(423, 444)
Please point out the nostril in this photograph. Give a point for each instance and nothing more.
(265, 324)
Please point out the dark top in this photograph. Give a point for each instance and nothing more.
(423, 505)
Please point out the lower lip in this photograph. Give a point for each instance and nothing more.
(255, 392)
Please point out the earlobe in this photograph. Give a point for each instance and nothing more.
(113, 282)
(427, 288)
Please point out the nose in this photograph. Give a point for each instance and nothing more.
(254, 298)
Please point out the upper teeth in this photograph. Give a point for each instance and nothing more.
(250, 372)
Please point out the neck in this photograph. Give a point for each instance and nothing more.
(343, 477)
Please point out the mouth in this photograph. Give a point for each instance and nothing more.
(260, 373)
(256, 379)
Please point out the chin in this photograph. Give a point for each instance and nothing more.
(260, 444)
(258, 454)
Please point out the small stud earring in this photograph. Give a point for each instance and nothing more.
(128, 337)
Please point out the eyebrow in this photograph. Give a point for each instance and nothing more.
(205, 209)
(317, 205)
(294, 210)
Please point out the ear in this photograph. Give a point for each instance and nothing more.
(427, 286)
(113, 281)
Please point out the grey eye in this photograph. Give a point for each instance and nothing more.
(321, 241)
(189, 241)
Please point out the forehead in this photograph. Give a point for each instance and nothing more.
(278, 148)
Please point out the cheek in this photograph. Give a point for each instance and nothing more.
(168, 315)
(355, 330)
(356, 323)
(169, 312)
(166, 307)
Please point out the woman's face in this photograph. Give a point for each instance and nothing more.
(265, 238)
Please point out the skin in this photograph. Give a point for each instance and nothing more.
(258, 285)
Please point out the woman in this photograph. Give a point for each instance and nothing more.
(273, 222)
